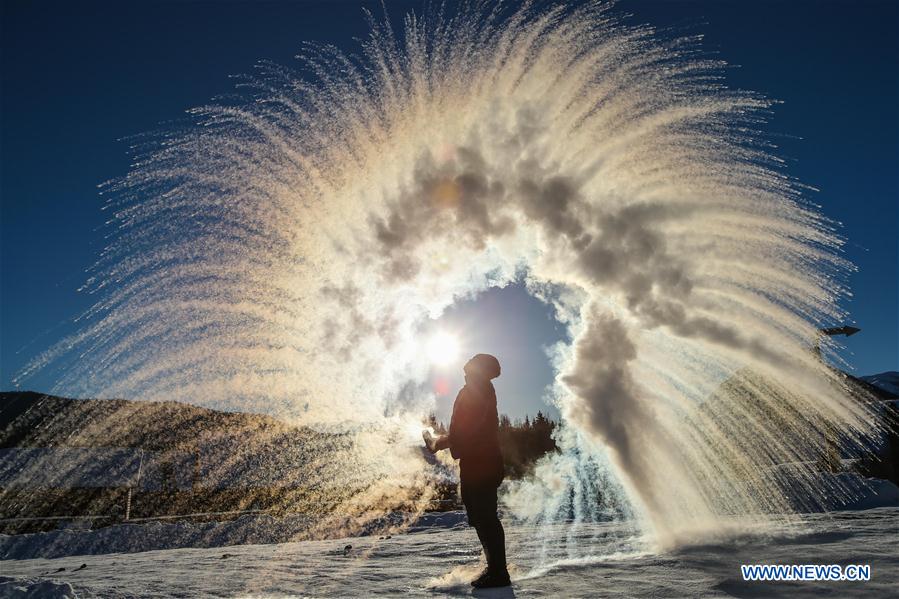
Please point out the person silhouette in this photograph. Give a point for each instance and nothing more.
(473, 439)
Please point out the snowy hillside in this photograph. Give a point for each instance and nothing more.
(888, 381)
(439, 561)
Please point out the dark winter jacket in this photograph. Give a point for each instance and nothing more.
(474, 434)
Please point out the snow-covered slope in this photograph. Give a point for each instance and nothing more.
(888, 381)
(263, 528)
(439, 562)
(158, 535)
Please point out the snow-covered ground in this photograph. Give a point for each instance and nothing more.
(439, 561)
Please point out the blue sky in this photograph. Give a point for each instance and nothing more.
(77, 77)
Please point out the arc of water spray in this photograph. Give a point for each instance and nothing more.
(289, 265)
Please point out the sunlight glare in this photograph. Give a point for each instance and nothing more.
(442, 348)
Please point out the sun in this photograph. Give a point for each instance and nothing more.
(442, 348)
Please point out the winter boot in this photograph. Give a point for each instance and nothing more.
(492, 579)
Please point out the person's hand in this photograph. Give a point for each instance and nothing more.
(430, 443)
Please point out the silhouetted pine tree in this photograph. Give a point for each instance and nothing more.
(523, 443)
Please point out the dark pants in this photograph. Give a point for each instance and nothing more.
(480, 503)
